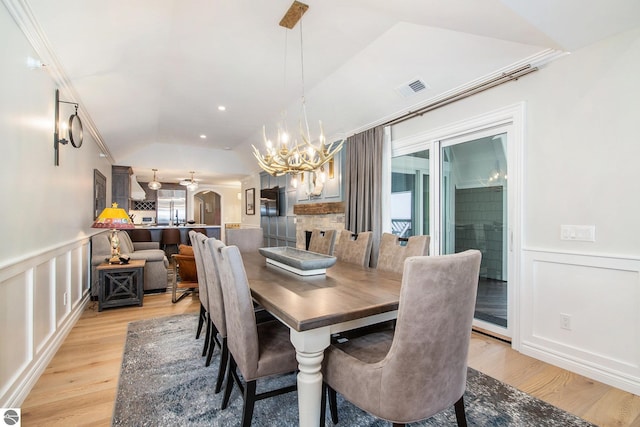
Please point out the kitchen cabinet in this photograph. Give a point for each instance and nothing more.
(121, 186)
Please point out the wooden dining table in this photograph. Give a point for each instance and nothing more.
(348, 296)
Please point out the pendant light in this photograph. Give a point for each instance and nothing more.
(154, 185)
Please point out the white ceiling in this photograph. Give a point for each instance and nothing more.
(150, 74)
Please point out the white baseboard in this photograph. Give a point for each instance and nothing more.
(598, 373)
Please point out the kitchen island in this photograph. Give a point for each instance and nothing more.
(156, 231)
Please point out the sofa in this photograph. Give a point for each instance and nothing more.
(155, 268)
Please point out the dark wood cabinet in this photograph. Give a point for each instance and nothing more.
(121, 186)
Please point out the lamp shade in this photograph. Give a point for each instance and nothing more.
(113, 218)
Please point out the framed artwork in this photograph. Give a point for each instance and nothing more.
(99, 193)
(249, 200)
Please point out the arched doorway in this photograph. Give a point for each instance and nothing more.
(207, 207)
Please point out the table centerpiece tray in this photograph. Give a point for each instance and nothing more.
(304, 263)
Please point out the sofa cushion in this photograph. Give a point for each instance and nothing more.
(142, 246)
(149, 255)
(126, 245)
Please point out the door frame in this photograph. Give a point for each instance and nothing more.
(513, 117)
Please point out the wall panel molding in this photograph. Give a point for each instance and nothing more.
(49, 292)
(600, 296)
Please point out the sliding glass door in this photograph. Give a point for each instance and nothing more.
(456, 189)
(474, 215)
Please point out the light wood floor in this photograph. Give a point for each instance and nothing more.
(79, 385)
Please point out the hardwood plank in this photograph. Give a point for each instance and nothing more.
(79, 386)
(591, 400)
(615, 408)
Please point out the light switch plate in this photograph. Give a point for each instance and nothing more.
(581, 233)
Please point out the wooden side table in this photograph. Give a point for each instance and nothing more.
(120, 284)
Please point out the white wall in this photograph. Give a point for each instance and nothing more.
(580, 157)
(252, 181)
(46, 219)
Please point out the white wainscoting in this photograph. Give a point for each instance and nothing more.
(43, 295)
(601, 297)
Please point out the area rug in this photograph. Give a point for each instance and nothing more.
(163, 381)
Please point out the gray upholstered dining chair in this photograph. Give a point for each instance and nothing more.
(419, 369)
(197, 243)
(354, 248)
(392, 254)
(258, 350)
(211, 259)
(322, 241)
(246, 239)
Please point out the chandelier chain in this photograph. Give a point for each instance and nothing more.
(304, 101)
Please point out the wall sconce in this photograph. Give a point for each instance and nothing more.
(73, 129)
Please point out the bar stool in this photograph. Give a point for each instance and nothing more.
(140, 235)
(170, 237)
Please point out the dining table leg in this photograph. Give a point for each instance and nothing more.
(310, 346)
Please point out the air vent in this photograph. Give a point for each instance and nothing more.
(412, 87)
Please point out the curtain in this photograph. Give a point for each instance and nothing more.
(363, 185)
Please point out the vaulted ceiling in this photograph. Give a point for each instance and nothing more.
(150, 74)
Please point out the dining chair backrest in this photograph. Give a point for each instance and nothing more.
(424, 370)
(212, 249)
(435, 312)
(197, 243)
(242, 333)
(353, 248)
(322, 241)
(392, 254)
(246, 239)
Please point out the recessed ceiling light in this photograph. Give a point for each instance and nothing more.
(227, 148)
(203, 136)
(222, 108)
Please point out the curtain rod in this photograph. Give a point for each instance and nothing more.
(481, 87)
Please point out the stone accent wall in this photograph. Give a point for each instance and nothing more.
(317, 215)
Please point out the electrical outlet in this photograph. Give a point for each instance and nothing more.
(565, 321)
(65, 298)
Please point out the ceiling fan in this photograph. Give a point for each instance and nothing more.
(191, 184)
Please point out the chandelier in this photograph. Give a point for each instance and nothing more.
(286, 157)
